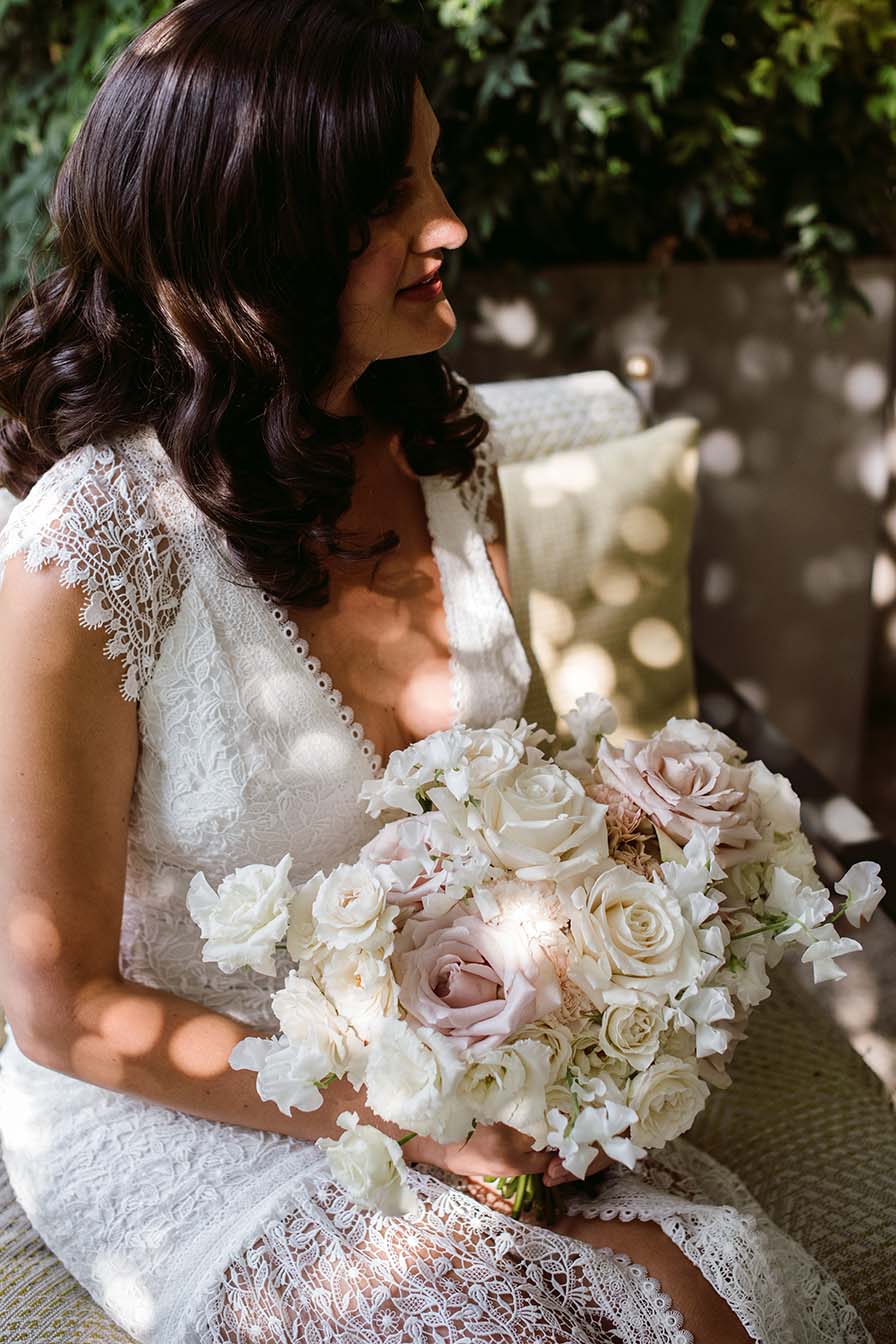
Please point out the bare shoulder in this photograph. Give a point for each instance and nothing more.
(68, 756)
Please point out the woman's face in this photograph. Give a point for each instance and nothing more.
(407, 241)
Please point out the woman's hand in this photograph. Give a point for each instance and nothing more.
(556, 1173)
(491, 1150)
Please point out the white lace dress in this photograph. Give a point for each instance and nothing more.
(189, 1231)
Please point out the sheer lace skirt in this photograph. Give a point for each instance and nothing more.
(459, 1272)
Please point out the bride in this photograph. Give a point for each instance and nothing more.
(258, 511)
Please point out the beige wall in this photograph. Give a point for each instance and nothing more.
(793, 461)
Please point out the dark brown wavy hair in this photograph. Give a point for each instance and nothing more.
(200, 229)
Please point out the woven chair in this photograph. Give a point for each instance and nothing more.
(806, 1124)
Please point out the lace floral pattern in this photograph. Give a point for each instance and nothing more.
(190, 1232)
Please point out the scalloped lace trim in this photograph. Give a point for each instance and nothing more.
(324, 682)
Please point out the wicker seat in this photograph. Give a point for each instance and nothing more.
(806, 1124)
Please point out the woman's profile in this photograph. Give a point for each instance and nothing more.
(259, 547)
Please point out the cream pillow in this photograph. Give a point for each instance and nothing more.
(598, 542)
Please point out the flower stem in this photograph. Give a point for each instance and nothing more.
(406, 1139)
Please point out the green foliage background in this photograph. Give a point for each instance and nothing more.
(574, 130)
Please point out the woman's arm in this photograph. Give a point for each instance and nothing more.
(68, 755)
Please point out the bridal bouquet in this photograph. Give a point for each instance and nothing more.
(568, 946)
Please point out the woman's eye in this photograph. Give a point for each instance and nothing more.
(393, 200)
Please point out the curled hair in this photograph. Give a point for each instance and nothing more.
(204, 219)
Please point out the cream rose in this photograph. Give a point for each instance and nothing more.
(539, 824)
(667, 1097)
(476, 983)
(629, 932)
(631, 1027)
(681, 787)
(507, 1086)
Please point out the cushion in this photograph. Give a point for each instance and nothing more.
(598, 541)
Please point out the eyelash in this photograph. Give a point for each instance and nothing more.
(392, 201)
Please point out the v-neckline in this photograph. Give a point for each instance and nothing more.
(324, 681)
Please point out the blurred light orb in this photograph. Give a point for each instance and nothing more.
(883, 580)
(639, 365)
(718, 583)
(721, 453)
(615, 584)
(581, 668)
(551, 617)
(513, 323)
(644, 529)
(865, 385)
(656, 643)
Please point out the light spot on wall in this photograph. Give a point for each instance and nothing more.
(655, 642)
(846, 822)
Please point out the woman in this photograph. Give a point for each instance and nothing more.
(243, 473)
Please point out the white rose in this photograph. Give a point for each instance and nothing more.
(629, 932)
(540, 824)
(631, 1026)
(244, 920)
(370, 1167)
(559, 1041)
(508, 1086)
(351, 910)
(362, 987)
(411, 1080)
(667, 1097)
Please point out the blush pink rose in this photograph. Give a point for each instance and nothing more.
(474, 982)
(681, 786)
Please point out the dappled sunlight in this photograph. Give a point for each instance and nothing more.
(203, 1036)
(548, 480)
(656, 643)
(753, 692)
(131, 1027)
(90, 1057)
(846, 822)
(34, 935)
(125, 1294)
(553, 620)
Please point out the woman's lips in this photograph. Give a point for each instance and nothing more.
(432, 290)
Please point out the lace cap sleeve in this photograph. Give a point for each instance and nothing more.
(480, 491)
(96, 519)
